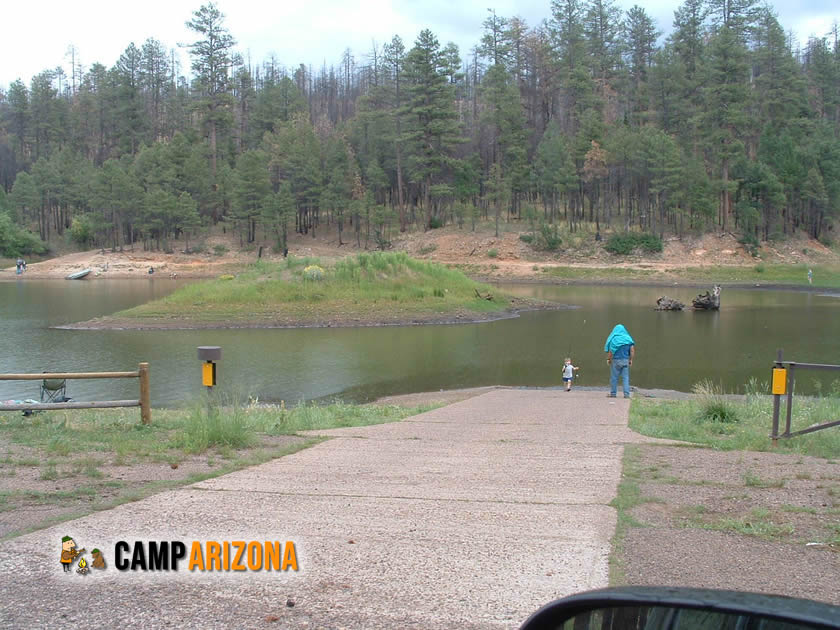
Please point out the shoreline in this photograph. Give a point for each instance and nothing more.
(5, 276)
(459, 317)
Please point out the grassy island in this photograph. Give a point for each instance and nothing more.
(366, 289)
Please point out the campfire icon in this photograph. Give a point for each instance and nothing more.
(83, 567)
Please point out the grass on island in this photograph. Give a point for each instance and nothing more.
(73, 447)
(718, 421)
(369, 287)
(825, 276)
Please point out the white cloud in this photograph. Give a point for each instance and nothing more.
(36, 35)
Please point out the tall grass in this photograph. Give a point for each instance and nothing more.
(684, 420)
(208, 425)
(714, 406)
(230, 422)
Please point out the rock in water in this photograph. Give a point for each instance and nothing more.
(669, 304)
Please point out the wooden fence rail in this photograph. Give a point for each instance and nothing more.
(144, 402)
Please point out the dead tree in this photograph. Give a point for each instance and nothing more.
(706, 301)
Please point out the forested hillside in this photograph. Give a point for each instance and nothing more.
(589, 116)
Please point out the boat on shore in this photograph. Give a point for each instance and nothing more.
(78, 275)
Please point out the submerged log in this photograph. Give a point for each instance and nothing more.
(669, 304)
(707, 301)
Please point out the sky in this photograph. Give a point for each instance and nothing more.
(37, 35)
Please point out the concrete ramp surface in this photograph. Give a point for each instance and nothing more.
(468, 516)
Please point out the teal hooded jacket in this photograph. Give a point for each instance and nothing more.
(618, 337)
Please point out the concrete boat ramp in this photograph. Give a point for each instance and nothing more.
(469, 516)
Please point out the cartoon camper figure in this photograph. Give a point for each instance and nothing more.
(69, 553)
(98, 559)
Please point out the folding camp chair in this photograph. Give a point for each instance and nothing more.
(54, 390)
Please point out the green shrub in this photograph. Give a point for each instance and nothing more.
(625, 243)
(750, 243)
(427, 249)
(526, 238)
(81, 231)
(493, 253)
(759, 268)
(220, 250)
(435, 223)
(15, 241)
(314, 272)
(650, 243)
(621, 244)
(548, 237)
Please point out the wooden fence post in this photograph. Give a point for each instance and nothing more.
(145, 396)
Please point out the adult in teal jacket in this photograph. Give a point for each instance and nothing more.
(620, 349)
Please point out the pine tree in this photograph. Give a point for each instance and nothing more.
(211, 64)
(725, 119)
(251, 189)
(432, 129)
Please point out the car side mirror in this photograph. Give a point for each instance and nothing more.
(661, 608)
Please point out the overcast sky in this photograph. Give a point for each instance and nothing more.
(36, 35)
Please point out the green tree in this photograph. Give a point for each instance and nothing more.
(641, 35)
(506, 125)
(432, 132)
(211, 63)
(554, 167)
(725, 119)
(394, 57)
(567, 34)
(251, 190)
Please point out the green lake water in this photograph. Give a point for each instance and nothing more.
(675, 350)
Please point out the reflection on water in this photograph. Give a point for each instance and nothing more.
(674, 349)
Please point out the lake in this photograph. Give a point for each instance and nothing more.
(675, 350)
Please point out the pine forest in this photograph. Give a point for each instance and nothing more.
(592, 116)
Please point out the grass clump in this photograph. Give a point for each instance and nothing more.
(714, 407)
(692, 421)
(752, 480)
(756, 524)
(209, 426)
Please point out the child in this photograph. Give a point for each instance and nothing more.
(569, 373)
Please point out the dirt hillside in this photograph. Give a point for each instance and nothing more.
(505, 256)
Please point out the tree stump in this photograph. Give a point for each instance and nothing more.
(706, 301)
(669, 304)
